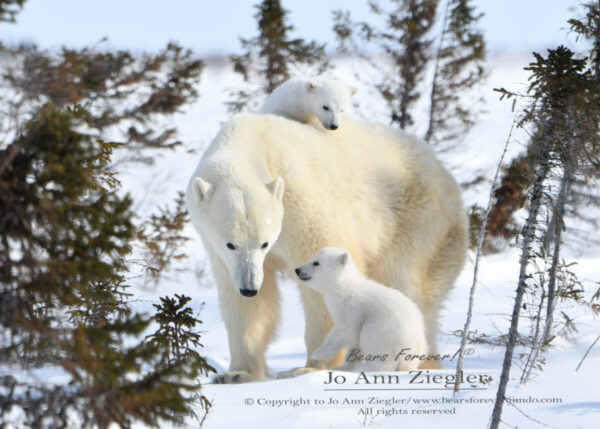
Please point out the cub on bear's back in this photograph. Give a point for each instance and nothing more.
(302, 99)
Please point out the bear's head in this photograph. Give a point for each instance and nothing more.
(325, 268)
(327, 99)
(240, 225)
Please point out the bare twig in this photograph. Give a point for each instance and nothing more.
(528, 237)
(558, 224)
(587, 352)
(434, 83)
(465, 335)
(527, 415)
(536, 343)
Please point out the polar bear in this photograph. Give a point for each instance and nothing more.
(303, 99)
(269, 192)
(374, 319)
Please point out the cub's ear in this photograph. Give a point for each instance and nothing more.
(277, 187)
(311, 86)
(203, 189)
(343, 258)
(353, 91)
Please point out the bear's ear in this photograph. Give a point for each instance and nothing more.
(353, 91)
(276, 187)
(203, 189)
(343, 258)
(310, 86)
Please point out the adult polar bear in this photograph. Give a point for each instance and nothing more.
(269, 192)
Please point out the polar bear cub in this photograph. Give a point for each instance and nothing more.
(377, 320)
(302, 99)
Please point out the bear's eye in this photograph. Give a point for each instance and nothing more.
(231, 246)
(326, 108)
(265, 245)
(316, 263)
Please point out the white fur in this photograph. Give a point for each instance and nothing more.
(368, 316)
(302, 99)
(377, 192)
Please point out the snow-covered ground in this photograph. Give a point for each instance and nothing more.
(557, 397)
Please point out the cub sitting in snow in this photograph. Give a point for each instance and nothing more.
(303, 99)
(367, 315)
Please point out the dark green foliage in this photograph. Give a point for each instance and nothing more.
(64, 235)
(406, 42)
(563, 117)
(588, 27)
(516, 182)
(56, 236)
(177, 330)
(476, 214)
(458, 69)
(177, 334)
(161, 236)
(119, 91)
(9, 8)
(410, 27)
(564, 110)
(564, 120)
(269, 57)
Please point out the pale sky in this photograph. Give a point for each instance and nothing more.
(214, 26)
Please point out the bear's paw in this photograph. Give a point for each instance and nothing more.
(233, 377)
(296, 372)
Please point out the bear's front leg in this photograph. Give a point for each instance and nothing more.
(250, 324)
(318, 323)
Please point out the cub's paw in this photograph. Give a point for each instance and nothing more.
(296, 372)
(232, 377)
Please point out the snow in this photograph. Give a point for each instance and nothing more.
(557, 397)
(261, 404)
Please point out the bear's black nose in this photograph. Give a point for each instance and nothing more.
(248, 292)
(334, 127)
(297, 271)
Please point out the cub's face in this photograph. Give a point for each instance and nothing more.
(328, 100)
(324, 268)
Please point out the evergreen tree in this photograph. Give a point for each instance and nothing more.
(588, 27)
(517, 179)
(407, 41)
(9, 8)
(177, 329)
(161, 238)
(122, 94)
(66, 232)
(177, 334)
(458, 69)
(271, 55)
(565, 118)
